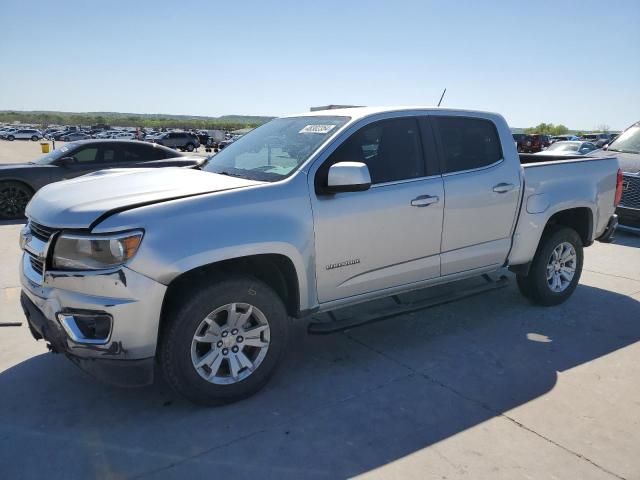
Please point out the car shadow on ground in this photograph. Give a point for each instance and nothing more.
(627, 239)
(340, 405)
(19, 221)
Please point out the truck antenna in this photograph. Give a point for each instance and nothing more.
(442, 96)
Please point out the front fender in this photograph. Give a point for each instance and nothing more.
(188, 233)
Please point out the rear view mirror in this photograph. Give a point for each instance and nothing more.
(348, 177)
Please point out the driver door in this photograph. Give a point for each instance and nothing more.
(390, 234)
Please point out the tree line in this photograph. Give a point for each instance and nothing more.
(45, 119)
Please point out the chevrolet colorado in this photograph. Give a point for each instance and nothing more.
(196, 273)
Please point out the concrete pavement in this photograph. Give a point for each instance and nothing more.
(488, 387)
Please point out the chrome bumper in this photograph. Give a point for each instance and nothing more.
(133, 302)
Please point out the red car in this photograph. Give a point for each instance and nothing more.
(535, 143)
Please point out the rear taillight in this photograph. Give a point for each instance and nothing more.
(619, 180)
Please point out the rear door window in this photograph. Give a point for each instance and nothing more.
(141, 153)
(467, 143)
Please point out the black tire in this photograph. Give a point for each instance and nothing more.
(14, 197)
(11, 138)
(34, 138)
(183, 322)
(535, 285)
(190, 147)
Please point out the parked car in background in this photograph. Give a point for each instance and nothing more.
(19, 181)
(184, 141)
(569, 148)
(535, 142)
(75, 136)
(308, 213)
(125, 136)
(564, 138)
(6, 133)
(626, 147)
(25, 134)
(519, 138)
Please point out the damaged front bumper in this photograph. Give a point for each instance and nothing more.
(104, 321)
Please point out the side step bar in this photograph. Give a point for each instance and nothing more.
(335, 321)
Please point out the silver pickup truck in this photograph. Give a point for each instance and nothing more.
(197, 273)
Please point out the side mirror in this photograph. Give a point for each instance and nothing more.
(348, 177)
(65, 161)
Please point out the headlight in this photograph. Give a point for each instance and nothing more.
(95, 252)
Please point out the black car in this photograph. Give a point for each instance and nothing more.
(19, 181)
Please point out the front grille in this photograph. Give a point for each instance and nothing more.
(36, 264)
(41, 232)
(631, 192)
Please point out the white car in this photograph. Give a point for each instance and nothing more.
(569, 148)
(24, 134)
(125, 136)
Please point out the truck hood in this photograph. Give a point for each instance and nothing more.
(78, 203)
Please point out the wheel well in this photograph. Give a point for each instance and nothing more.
(21, 182)
(579, 219)
(275, 270)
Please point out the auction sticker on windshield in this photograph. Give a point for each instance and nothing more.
(317, 129)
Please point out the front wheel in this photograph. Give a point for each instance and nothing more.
(34, 138)
(11, 138)
(556, 268)
(224, 343)
(190, 147)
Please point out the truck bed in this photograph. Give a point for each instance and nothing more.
(527, 158)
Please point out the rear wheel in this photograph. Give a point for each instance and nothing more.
(190, 147)
(34, 138)
(14, 197)
(556, 268)
(223, 344)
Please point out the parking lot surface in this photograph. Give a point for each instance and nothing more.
(487, 387)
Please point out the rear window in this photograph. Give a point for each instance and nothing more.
(467, 143)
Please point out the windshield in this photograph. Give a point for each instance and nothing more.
(564, 147)
(55, 155)
(276, 149)
(628, 141)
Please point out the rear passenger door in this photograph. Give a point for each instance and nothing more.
(482, 193)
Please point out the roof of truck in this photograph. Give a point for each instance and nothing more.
(361, 112)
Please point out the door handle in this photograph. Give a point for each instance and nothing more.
(424, 200)
(503, 187)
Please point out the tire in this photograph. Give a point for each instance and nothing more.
(11, 138)
(537, 286)
(190, 147)
(179, 352)
(34, 138)
(14, 197)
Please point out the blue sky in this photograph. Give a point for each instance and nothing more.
(571, 62)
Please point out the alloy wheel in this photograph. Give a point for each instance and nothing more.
(230, 343)
(561, 267)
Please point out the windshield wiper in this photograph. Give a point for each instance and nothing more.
(621, 151)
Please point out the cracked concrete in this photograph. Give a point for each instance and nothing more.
(488, 387)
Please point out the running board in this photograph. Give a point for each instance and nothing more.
(350, 317)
